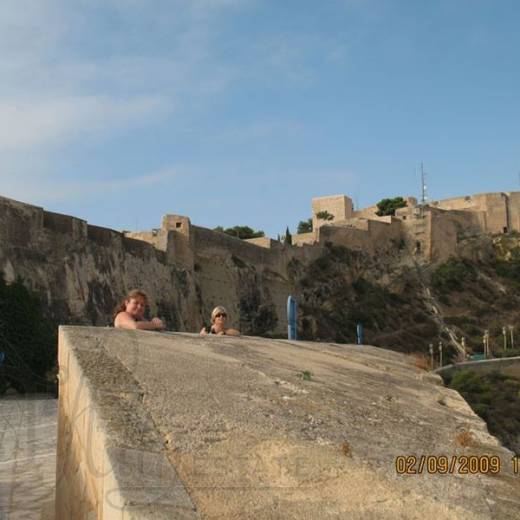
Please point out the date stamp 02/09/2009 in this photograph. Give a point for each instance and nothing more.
(454, 464)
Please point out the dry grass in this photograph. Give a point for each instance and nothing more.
(420, 361)
(345, 449)
(466, 439)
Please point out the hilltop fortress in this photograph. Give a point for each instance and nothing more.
(432, 230)
(82, 271)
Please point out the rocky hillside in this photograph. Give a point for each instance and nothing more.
(405, 305)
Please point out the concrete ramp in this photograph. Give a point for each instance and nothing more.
(178, 426)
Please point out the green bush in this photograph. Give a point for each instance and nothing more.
(28, 340)
(494, 397)
(242, 232)
(324, 215)
(288, 237)
(304, 226)
(459, 320)
(468, 383)
(481, 409)
(388, 206)
(508, 269)
(451, 275)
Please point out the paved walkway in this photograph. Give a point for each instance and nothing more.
(27, 457)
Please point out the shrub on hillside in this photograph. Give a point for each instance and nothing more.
(508, 269)
(495, 397)
(27, 339)
(451, 275)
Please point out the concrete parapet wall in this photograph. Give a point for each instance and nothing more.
(148, 418)
(110, 461)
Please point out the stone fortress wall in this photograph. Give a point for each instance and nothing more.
(432, 231)
(82, 271)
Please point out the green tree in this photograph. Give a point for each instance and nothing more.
(242, 232)
(27, 339)
(324, 215)
(388, 206)
(304, 226)
(288, 237)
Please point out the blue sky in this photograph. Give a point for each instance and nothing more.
(240, 111)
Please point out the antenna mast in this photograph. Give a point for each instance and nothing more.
(424, 196)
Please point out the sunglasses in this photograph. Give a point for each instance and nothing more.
(220, 315)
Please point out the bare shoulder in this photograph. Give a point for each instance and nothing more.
(123, 320)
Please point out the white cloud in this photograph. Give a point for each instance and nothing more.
(25, 123)
(55, 54)
(58, 85)
(48, 188)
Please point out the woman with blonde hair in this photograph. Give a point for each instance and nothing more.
(130, 313)
(218, 324)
